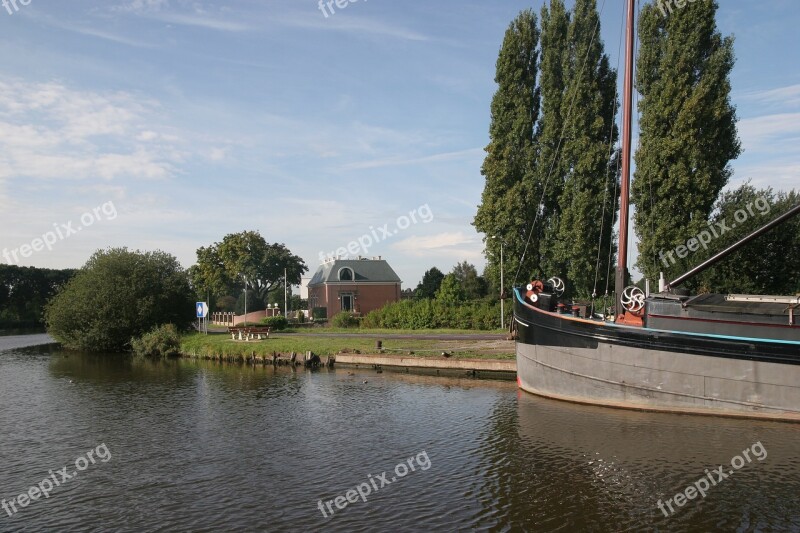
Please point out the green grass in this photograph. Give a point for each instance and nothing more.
(377, 331)
(215, 345)
(388, 331)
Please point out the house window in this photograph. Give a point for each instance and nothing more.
(346, 274)
(347, 302)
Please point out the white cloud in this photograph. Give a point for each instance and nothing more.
(447, 244)
(472, 153)
(50, 131)
(217, 154)
(786, 96)
(349, 23)
(770, 133)
(184, 14)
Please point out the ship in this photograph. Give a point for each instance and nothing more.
(715, 354)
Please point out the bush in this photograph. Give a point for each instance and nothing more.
(162, 341)
(345, 319)
(119, 295)
(432, 314)
(277, 322)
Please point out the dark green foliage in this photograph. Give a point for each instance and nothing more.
(767, 265)
(319, 313)
(550, 167)
(511, 193)
(586, 205)
(451, 291)
(688, 127)
(474, 286)
(277, 323)
(161, 342)
(254, 302)
(225, 304)
(432, 314)
(224, 267)
(24, 291)
(118, 295)
(345, 319)
(430, 283)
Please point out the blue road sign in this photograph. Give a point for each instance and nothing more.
(202, 309)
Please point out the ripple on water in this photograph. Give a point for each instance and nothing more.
(204, 446)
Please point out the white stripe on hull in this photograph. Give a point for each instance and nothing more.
(637, 378)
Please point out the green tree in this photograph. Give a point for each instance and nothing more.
(451, 291)
(117, 295)
(767, 265)
(688, 127)
(245, 257)
(254, 302)
(473, 285)
(552, 167)
(510, 198)
(587, 204)
(209, 276)
(431, 281)
(24, 291)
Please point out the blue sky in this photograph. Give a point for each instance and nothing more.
(196, 119)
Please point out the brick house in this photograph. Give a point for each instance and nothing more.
(358, 285)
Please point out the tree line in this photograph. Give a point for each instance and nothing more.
(24, 291)
(551, 169)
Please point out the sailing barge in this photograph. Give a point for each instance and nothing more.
(734, 355)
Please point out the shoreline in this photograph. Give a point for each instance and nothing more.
(475, 367)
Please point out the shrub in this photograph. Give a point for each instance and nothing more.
(119, 295)
(432, 314)
(277, 322)
(162, 341)
(345, 319)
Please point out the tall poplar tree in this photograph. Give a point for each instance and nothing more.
(687, 128)
(552, 167)
(587, 204)
(508, 204)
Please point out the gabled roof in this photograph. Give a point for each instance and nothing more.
(364, 270)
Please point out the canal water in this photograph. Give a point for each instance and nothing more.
(202, 446)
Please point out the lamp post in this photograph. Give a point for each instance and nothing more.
(245, 302)
(502, 285)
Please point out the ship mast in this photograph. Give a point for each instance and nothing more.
(624, 207)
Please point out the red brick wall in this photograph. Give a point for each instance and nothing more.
(368, 296)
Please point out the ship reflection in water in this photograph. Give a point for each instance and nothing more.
(207, 446)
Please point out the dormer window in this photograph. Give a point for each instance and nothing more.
(346, 274)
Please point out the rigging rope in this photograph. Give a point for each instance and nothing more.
(560, 140)
(605, 187)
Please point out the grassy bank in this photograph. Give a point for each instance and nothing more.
(331, 344)
(327, 330)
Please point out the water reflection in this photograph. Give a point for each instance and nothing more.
(203, 445)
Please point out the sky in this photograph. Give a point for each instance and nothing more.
(167, 124)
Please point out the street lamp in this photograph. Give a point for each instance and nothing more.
(502, 286)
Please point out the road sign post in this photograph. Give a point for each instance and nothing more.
(202, 313)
